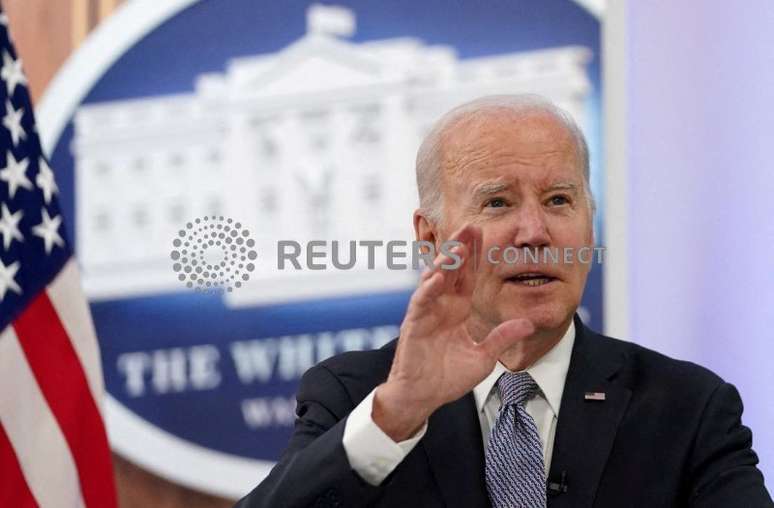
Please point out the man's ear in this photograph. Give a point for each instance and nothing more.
(424, 228)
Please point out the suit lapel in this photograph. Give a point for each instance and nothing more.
(584, 435)
(455, 451)
(586, 429)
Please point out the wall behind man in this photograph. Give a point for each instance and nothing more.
(700, 98)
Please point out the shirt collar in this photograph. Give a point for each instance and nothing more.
(549, 372)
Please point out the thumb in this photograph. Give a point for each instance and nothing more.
(505, 335)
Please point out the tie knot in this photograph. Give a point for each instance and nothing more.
(516, 388)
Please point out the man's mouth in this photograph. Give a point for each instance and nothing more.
(532, 279)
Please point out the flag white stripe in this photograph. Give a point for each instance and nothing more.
(66, 296)
(37, 440)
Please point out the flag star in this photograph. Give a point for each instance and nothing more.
(12, 121)
(12, 73)
(47, 230)
(9, 226)
(14, 174)
(7, 274)
(45, 180)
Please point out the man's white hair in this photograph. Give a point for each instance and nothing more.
(476, 112)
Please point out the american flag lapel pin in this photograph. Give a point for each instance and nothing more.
(594, 396)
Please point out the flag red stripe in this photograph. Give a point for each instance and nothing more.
(13, 487)
(62, 380)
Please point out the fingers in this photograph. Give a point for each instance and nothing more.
(453, 271)
(429, 289)
(472, 239)
(458, 259)
(506, 335)
(450, 266)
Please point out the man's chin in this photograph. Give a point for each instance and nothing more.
(543, 318)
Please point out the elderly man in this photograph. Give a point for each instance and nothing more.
(495, 393)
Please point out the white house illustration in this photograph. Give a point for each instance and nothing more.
(316, 141)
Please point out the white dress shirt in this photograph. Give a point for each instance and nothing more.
(373, 454)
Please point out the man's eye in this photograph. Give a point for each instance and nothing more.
(496, 203)
(558, 200)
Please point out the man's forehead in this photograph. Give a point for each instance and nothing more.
(533, 148)
(528, 127)
(507, 141)
(500, 168)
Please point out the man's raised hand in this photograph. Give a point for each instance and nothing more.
(436, 360)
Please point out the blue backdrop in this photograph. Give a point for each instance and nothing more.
(166, 330)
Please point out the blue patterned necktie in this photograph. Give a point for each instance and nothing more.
(515, 474)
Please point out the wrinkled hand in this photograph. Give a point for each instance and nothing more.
(436, 360)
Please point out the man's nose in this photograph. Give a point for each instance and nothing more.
(531, 227)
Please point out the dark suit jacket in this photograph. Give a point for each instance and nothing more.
(668, 434)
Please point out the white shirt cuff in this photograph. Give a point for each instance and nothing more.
(372, 453)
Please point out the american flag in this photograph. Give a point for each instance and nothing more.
(53, 446)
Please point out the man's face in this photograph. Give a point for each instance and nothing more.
(520, 180)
